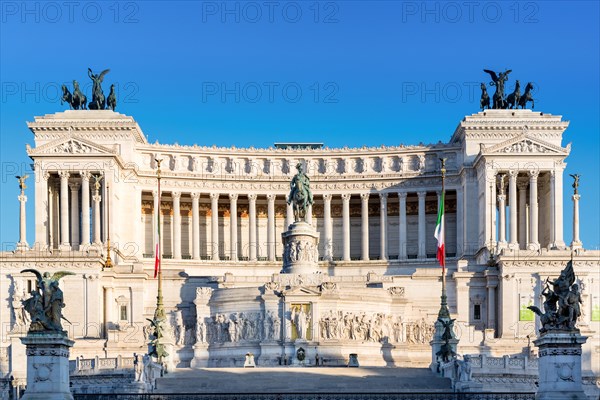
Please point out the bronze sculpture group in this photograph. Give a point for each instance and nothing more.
(500, 101)
(300, 194)
(46, 302)
(561, 304)
(78, 101)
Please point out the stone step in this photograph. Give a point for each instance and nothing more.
(298, 379)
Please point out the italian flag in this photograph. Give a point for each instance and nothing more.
(439, 234)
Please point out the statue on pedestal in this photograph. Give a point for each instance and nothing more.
(300, 195)
(561, 307)
(46, 302)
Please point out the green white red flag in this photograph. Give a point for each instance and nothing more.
(440, 234)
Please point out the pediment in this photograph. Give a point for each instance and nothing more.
(525, 144)
(302, 291)
(71, 145)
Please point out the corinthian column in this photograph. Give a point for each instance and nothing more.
(512, 201)
(85, 208)
(557, 200)
(534, 243)
(96, 198)
(271, 227)
(327, 227)
(422, 250)
(214, 225)
(346, 226)
(195, 226)
(402, 225)
(22, 245)
(233, 225)
(364, 225)
(42, 207)
(64, 210)
(383, 225)
(576, 243)
(176, 225)
(252, 223)
(502, 214)
(522, 186)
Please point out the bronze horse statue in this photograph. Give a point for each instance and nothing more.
(76, 100)
(79, 99)
(527, 97)
(513, 99)
(67, 97)
(111, 101)
(300, 201)
(485, 98)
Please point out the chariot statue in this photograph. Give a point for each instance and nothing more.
(98, 100)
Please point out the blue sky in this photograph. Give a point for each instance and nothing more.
(340, 72)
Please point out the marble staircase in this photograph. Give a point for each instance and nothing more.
(298, 379)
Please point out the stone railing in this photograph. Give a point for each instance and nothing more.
(483, 363)
(99, 365)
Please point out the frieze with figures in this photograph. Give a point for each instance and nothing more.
(374, 327)
(238, 327)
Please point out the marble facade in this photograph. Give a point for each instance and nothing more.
(373, 283)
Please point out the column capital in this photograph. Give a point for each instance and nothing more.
(383, 196)
(85, 175)
(327, 197)
(96, 198)
(533, 174)
(46, 175)
(22, 198)
(64, 175)
(252, 197)
(402, 195)
(233, 196)
(74, 186)
(522, 185)
(422, 193)
(176, 195)
(576, 197)
(271, 197)
(365, 196)
(512, 174)
(214, 196)
(501, 197)
(346, 197)
(195, 195)
(155, 193)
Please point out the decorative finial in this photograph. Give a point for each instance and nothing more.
(443, 169)
(21, 179)
(575, 183)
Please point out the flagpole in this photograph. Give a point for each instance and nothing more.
(159, 313)
(108, 263)
(444, 312)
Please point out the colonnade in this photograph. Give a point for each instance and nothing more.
(232, 214)
(69, 225)
(524, 201)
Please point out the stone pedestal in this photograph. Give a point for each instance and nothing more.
(200, 359)
(436, 345)
(301, 253)
(47, 366)
(560, 366)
